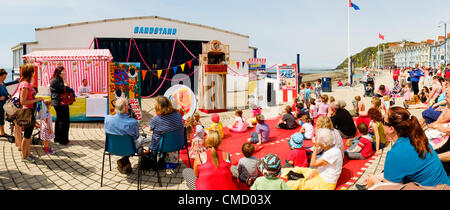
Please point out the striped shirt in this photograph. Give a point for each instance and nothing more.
(164, 124)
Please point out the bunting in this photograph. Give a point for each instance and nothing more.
(190, 64)
(182, 67)
(175, 69)
(159, 73)
(144, 72)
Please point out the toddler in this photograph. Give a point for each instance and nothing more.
(197, 119)
(307, 127)
(288, 121)
(317, 88)
(256, 110)
(322, 106)
(270, 168)
(240, 124)
(261, 133)
(360, 149)
(198, 143)
(47, 133)
(216, 125)
(297, 156)
(246, 170)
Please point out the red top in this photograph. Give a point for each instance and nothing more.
(396, 73)
(299, 157)
(212, 178)
(366, 146)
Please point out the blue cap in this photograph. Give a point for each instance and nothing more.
(297, 140)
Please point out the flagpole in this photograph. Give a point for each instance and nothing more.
(348, 43)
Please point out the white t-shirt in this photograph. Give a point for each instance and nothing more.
(309, 130)
(84, 89)
(331, 172)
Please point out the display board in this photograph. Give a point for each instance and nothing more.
(287, 78)
(182, 99)
(125, 81)
(256, 67)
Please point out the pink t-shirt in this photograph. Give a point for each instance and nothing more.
(31, 93)
(322, 108)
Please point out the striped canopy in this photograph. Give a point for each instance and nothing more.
(90, 64)
(71, 55)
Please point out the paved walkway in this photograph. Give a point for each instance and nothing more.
(78, 165)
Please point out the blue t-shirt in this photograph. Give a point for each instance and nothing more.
(415, 75)
(403, 165)
(307, 94)
(3, 92)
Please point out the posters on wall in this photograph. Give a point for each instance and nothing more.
(125, 81)
(287, 76)
(256, 67)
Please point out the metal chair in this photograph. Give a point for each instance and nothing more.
(121, 146)
(172, 141)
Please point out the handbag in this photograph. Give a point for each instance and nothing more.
(67, 97)
(12, 105)
(25, 117)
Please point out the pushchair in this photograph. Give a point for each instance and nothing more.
(369, 90)
(35, 137)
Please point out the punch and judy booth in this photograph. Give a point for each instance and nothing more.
(213, 77)
(79, 64)
(287, 78)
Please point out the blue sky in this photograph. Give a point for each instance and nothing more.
(317, 29)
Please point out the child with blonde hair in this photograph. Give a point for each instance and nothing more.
(46, 125)
(240, 123)
(216, 125)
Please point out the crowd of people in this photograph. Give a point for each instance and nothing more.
(421, 142)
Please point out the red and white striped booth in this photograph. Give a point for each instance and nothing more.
(79, 64)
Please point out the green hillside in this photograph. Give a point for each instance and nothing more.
(363, 58)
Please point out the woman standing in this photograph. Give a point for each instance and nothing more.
(27, 99)
(62, 123)
(3, 98)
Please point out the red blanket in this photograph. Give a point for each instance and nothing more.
(278, 144)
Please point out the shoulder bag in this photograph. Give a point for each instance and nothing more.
(12, 105)
(67, 97)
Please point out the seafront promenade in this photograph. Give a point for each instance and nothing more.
(78, 165)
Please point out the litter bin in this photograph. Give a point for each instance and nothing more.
(326, 84)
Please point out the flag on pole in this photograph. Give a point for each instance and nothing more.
(353, 5)
(380, 36)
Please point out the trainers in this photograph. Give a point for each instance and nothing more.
(29, 159)
(49, 151)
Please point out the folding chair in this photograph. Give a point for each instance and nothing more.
(121, 146)
(172, 141)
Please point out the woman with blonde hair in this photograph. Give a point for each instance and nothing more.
(211, 169)
(167, 119)
(28, 100)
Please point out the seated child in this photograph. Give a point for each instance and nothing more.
(261, 133)
(190, 128)
(197, 119)
(246, 170)
(360, 149)
(198, 143)
(216, 125)
(288, 121)
(301, 110)
(256, 110)
(313, 108)
(270, 168)
(240, 124)
(294, 105)
(307, 127)
(297, 156)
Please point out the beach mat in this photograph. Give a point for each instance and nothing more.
(278, 144)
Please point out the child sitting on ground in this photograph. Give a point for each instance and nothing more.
(240, 124)
(288, 121)
(270, 168)
(47, 133)
(307, 127)
(198, 143)
(407, 95)
(313, 109)
(361, 148)
(246, 171)
(297, 156)
(197, 119)
(301, 110)
(256, 110)
(261, 133)
(322, 106)
(216, 125)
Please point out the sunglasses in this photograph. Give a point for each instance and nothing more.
(387, 124)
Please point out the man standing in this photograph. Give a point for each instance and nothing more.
(415, 75)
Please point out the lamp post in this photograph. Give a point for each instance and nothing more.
(445, 40)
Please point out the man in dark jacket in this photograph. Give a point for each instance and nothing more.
(343, 121)
(415, 75)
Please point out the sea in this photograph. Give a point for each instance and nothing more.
(10, 76)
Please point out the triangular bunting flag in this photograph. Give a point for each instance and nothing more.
(232, 63)
(144, 72)
(159, 73)
(237, 63)
(182, 67)
(243, 64)
(190, 64)
(175, 69)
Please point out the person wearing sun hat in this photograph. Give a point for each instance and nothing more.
(270, 167)
(297, 156)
